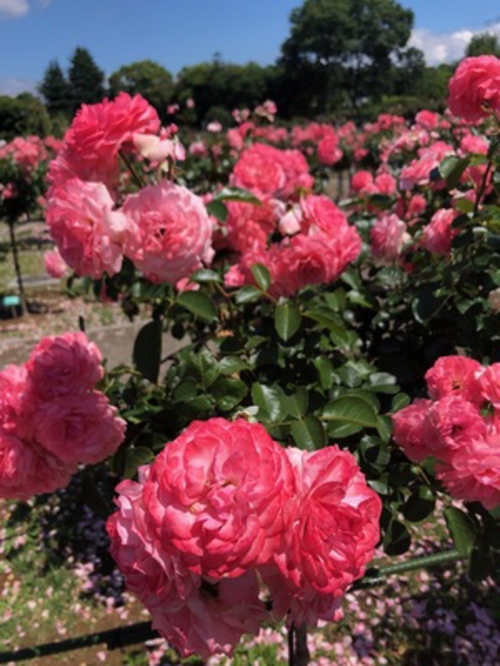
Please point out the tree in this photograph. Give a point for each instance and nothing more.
(223, 85)
(347, 44)
(145, 78)
(486, 43)
(22, 115)
(56, 90)
(86, 80)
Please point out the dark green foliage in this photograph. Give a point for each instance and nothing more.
(56, 90)
(86, 80)
(146, 78)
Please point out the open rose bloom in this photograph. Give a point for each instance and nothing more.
(452, 428)
(53, 418)
(226, 525)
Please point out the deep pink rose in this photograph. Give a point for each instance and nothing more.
(219, 494)
(54, 264)
(438, 234)
(455, 375)
(334, 534)
(474, 89)
(168, 232)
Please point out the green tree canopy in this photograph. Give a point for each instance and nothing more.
(145, 78)
(86, 80)
(23, 115)
(486, 43)
(347, 44)
(223, 85)
(56, 90)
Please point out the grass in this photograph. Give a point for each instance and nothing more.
(31, 262)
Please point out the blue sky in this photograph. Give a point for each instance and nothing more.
(183, 32)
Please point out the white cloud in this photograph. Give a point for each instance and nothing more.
(13, 8)
(12, 87)
(446, 47)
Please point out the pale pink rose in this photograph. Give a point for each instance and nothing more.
(455, 375)
(65, 364)
(54, 264)
(218, 494)
(408, 430)
(168, 232)
(198, 149)
(190, 104)
(80, 428)
(474, 89)
(388, 237)
(172, 109)
(438, 234)
(334, 534)
(291, 222)
(86, 228)
(215, 127)
(155, 149)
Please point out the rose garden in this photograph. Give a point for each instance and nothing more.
(311, 475)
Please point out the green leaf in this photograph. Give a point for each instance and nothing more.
(262, 276)
(287, 319)
(325, 371)
(205, 275)
(383, 382)
(481, 564)
(228, 393)
(400, 401)
(308, 433)
(198, 304)
(270, 400)
(134, 458)
(397, 539)
(147, 350)
(341, 430)
(247, 294)
(297, 403)
(462, 528)
(237, 194)
(207, 368)
(185, 391)
(350, 411)
(217, 209)
(452, 168)
(419, 505)
(231, 365)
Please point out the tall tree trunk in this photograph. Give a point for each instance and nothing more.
(17, 267)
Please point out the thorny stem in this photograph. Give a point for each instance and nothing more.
(135, 176)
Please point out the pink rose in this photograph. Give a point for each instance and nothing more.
(388, 236)
(438, 234)
(334, 534)
(219, 495)
(168, 232)
(455, 375)
(54, 264)
(474, 89)
(65, 364)
(85, 226)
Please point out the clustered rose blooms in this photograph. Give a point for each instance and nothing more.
(474, 89)
(52, 418)
(458, 426)
(225, 520)
(163, 228)
(318, 245)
